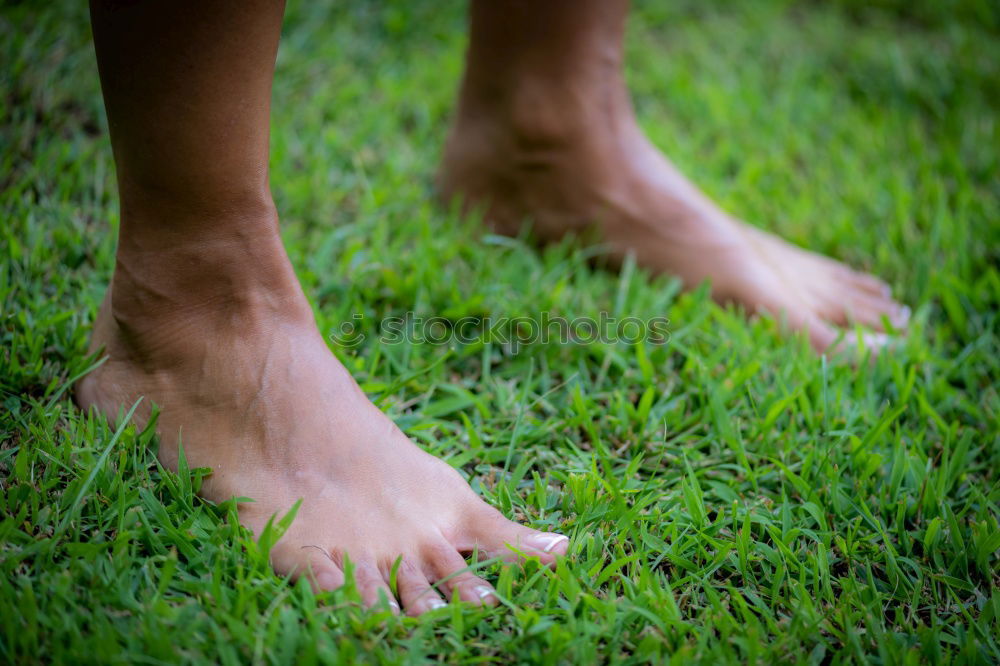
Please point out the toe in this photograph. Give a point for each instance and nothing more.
(415, 591)
(847, 276)
(495, 536)
(864, 308)
(312, 562)
(800, 315)
(373, 588)
(866, 282)
(827, 339)
(452, 573)
(873, 311)
(822, 336)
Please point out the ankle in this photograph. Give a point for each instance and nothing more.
(531, 114)
(533, 124)
(226, 282)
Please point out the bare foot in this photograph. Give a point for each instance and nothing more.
(565, 153)
(247, 380)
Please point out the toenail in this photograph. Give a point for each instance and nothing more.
(436, 603)
(484, 592)
(546, 542)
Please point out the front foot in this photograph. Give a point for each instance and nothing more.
(264, 404)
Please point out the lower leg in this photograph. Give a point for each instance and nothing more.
(204, 316)
(545, 131)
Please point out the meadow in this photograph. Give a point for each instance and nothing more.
(731, 496)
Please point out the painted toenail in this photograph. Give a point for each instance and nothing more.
(484, 592)
(546, 542)
(436, 603)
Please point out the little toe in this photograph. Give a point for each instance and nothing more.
(415, 591)
(310, 562)
(323, 573)
(822, 336)
(801, 316)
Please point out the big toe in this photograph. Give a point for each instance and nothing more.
(495, 536)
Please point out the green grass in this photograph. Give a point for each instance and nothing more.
(730, 496)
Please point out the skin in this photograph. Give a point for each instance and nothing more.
(545, 132)
(204, 317)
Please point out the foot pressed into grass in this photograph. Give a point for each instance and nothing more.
(249, 385)
(567, 163)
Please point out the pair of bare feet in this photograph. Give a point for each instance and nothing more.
(204, 315)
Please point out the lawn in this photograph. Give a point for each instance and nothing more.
(731, 497)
